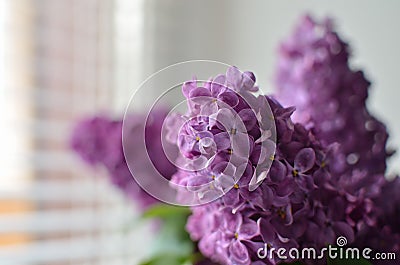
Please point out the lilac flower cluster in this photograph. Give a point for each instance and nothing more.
(98, 140)
(314, 75)
(385, 235)
(295, 204)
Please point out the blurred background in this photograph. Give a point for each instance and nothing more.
(65, 59)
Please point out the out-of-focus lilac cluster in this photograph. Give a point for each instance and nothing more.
(314, 75)
(98, 140)
(330, 98)
(385, 235)
(295, 205)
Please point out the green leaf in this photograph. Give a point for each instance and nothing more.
(165, 259)
(164, 211)
(172, 245)
(173, 238)
(172, 259)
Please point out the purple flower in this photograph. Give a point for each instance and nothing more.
(241, 81)
(291, 197)
(325, 226)
(238, 232)
(330, 98)
(206, 100)
(91, 146)
(98, 141)
(273, 239)
(235, 130)
(385, 235)
(303, 162)
(193, 142)
(314, 76)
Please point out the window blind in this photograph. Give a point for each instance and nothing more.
(59, 61)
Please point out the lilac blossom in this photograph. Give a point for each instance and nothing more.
(314, 75)
(385, 235)
(292, 197)
(98, 140)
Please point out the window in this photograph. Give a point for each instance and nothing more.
(61, 60)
